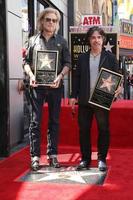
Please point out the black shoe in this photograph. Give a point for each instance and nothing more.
(83, 165)
(102, 166)
(35, 163)
(53, 162)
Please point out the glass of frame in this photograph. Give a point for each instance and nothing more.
(104, 92)
(46, 67)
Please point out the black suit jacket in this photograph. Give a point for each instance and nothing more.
(81, 79)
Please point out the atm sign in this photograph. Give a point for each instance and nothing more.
(90, 20)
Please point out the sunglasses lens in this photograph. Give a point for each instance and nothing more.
(54, 20)
(51, 20)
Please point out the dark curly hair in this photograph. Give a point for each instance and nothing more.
(91, 31)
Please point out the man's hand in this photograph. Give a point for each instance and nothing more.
(118, 91)
(72, 103)
(31, 75)
(32, 81)
(57, 81)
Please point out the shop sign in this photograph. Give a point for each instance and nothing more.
(126, 42)
(126, 27)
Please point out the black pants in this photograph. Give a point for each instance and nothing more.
(37, 99)
(85, 117)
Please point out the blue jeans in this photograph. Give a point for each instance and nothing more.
(37, 98)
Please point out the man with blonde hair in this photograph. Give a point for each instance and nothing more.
(46, 39)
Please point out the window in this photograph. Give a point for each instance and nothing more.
(34, 8)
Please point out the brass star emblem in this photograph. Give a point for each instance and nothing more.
(75, 176)
(46, 62)
(107, 83)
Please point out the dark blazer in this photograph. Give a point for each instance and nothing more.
(81, 80)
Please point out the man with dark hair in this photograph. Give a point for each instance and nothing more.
(46, 39)
(88, 67)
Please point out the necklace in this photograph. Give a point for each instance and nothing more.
(94, 56)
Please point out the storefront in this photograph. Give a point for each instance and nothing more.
(126, 53)
(126, 39)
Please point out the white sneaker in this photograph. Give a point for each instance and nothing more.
(35, 163)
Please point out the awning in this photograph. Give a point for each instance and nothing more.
(126, 52)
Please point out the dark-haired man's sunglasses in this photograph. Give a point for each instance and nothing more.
(50, 20)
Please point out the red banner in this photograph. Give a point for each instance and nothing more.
(126, 42)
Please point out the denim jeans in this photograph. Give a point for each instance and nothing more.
(37, 98)
(85, 117)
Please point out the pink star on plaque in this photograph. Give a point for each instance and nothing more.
(107, 83)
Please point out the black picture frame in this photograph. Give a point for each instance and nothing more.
(46, 67)
(103, 93)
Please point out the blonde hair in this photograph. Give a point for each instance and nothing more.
(43, 14)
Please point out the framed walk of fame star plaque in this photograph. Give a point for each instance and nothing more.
(46, 67)
(104, 92)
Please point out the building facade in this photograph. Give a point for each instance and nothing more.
(84, 7)
(11, 72)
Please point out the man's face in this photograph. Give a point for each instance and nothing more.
(96, 41)
(50, 22)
